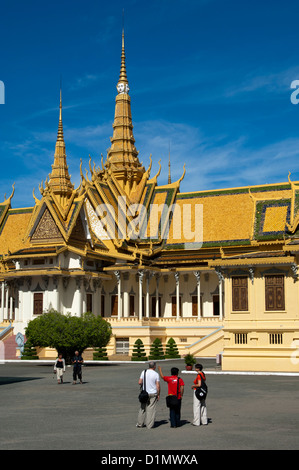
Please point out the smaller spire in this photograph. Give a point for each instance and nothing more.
(59, 178)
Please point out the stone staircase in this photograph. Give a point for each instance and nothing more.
(210, 345)
(10, 348)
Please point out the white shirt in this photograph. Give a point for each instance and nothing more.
(150, 380)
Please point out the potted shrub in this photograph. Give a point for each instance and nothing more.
(156, 350)
(189, 361)
(139, 353)
(171, 351)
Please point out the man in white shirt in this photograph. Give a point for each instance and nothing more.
(147, 411)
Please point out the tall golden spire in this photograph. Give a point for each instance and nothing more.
(59, 179)
(60, 126)
(122, 158)
(123, 71)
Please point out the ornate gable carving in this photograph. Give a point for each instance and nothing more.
(46, 230)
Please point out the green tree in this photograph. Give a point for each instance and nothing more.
(67, 334)
(171, 350)
(156, 351)
(138, 353)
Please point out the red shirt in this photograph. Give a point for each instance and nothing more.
(173, 385)
(201, 376)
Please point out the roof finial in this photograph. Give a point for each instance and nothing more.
(60, 126)
(123, 84)
(169, 174)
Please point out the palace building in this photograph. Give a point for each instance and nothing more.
(214, 270)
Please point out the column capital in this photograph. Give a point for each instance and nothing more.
(118, 276)
(140, 276)
(219, 274)
(78, 282)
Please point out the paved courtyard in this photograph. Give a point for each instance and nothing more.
(244, 411)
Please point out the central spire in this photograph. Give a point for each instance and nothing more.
(123, 72)
(122, 158)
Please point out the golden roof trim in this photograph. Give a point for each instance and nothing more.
(252, 261)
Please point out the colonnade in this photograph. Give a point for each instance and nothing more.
(17, 296)
(144, 277)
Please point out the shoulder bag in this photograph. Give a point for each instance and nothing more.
(143, 395)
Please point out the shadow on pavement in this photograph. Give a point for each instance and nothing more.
(11, 380)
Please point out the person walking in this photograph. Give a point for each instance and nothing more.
(175, 387)
(59, 368)
(147, 411)
(77, 362)
(200, 415)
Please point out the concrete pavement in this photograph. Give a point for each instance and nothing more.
(245, 411)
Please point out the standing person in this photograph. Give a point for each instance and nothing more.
(59, 368)
(77, 361)
(200, 415)
(175, 387)
(147, 411)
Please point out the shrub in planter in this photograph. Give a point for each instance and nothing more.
(139, 353)
(100, 354)
(156, 351)
(189, 361)
(171, 351)
(29, 353)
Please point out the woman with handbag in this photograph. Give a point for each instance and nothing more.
(59, 368)
(200, 415)
(175, 395)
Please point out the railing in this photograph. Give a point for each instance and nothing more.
(5, 330)
(153, 321)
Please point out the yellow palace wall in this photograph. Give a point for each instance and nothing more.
(258, 354)
(202, 338)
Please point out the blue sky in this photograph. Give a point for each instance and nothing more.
(211, 79)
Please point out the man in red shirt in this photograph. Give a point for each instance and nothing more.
(175, 387)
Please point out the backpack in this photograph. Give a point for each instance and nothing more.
(143, 395)
(202, 391)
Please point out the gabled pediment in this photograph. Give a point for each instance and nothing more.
(46, 230)
(47, 223)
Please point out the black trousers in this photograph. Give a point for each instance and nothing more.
(77, 372)
(175, 415)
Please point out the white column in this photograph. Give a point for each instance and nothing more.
(140, 278)
(78, 303)
(157, 295)
(6, 303)
(17, 316)
(177, 283)
(197, 275)
(221, 278)
(147, 296)
(21, 302)
(2, 301)
(100, 297)
(118, 279)
(126, 283)
(56, 293)
(10, 307)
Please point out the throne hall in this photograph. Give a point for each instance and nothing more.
(214, 270)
